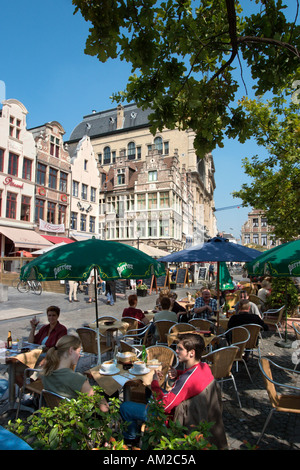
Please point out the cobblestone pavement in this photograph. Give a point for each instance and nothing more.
(241, 424)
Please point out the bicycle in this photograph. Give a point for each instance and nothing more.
(26, 286)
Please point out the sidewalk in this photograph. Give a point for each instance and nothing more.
(283, 431)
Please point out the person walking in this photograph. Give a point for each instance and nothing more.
(73, 285)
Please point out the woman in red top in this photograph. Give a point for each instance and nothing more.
(48, 335)
(134, 312)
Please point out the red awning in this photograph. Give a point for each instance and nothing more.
(55, 240)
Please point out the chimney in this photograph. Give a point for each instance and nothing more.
(120, 116)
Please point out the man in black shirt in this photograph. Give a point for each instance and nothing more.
(244, 317)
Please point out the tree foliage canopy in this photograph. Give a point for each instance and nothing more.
(275, 189)
(184, 54)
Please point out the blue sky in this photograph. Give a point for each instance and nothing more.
(43, 65)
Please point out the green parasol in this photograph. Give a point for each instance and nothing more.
(75, 261)
(280, 261)
(225, 280)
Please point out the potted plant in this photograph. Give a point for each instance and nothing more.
(173, 285)
(141, 290)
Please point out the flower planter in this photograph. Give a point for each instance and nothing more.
(141, 292)
(173, 286)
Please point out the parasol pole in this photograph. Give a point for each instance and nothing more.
(218, 296)
(97, 319)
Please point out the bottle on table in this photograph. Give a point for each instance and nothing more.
(144, 354)
(9, 341)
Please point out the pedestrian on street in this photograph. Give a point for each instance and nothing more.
(73, 285)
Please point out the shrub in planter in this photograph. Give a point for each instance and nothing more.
(173, 285)
(141, 290)
(283, 292)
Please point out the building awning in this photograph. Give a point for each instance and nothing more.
(24, 238)
(56, 240)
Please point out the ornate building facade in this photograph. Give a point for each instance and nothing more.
(153, 188)
(256, 231)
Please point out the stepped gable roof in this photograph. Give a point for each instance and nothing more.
(105, 122)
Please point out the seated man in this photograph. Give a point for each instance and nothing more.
(244, 317)
(189, 382)
(134, 312)
(165, 313)
(253, 307)
(205, 307)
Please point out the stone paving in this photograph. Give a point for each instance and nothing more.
(245, 424)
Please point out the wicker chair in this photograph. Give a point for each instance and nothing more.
(181, 328)
(221, 362)
(232, 299)
(88, 338)
(139, 336)
(166, 356)
(31, 386)
(202, 324)
(273, 317)
(252, 343)
(133, 323)
(296, 327)
(162, 328)
(126, 347)
(240, 337)
(51, 399)
(286, 403)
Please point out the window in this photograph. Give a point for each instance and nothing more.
(130, 202)
(51, 213)
(62, 213)
(84, 191)
(93, 194)
(247, 238)
(54, 146)
(255, 239)
(1, 159)
(131, 151)
(139, 153)
(73, 222)
(264, 222)
(121, 176)
(152, 175)
(166, 147)
(85, 165)
(63, 182)
(164, 199)
(25, 208)
(75, 188)
(27, 166)
(264, 240)
(92, 224)
(164, 228)
(255, 222)
(41, 174)
(141, 229)
(1, 202)
(100, 158)
(152, 200)
(15, 127)
(11, 205)
(158, 144)
(106, 158)
(53, 178)
(141, 203)
(152, 228)
(39, 209)
(13, 161)
(82, 222)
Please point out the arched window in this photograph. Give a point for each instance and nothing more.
(106, 155)
(131, 151)
(158, 144)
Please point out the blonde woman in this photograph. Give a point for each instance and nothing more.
(58, 373)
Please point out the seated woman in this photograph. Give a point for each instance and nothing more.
(134, 312)
(58, 375)
(48, 335)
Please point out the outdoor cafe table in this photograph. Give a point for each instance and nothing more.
(187, 304)
(13, 357)
(113, 383)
